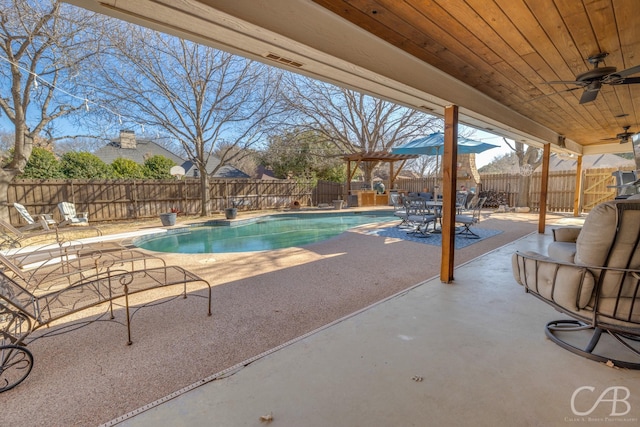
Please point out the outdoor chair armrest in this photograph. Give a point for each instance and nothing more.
(566, 234)
(564, 284)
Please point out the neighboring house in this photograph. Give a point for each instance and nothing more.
(264, 173)
(128, 147)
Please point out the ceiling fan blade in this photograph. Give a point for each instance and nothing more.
(588, 96)
(628, 71)
(630, 81)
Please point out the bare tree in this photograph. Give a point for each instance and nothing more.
(528, 160)
(201, 97)
(44, 47)
(424, 165)
(244, 160)
(353, 121)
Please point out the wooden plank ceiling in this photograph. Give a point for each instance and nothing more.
(508, 49)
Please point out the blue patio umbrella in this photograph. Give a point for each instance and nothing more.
(432, 144)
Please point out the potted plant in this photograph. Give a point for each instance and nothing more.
(232, 212)
(295, 205)
(169, 218)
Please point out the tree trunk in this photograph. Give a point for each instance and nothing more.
(5, 180)
(204, 191)
(524, 186)
(367, 170)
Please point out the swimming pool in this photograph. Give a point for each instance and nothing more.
(259, 234)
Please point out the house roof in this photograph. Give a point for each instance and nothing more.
(144, 148)
(139, 149)
(264, 173)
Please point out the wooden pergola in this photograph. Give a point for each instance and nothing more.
(376, 157)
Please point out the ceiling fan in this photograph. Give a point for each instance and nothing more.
(593, 79)
(624, 137)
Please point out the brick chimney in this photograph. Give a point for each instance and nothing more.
(127, 139)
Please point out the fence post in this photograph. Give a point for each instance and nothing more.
(134, 195)
(73, 194)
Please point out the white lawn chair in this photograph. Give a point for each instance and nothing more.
(44, 220)
(71, 217)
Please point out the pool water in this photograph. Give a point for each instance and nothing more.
(266, 233)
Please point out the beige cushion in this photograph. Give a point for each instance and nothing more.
(600, 244)
(562, 251)
(566, 234)
(562, 284)
(596, 237)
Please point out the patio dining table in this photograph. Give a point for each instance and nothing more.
(436, 206)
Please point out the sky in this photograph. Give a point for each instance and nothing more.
(487, 157)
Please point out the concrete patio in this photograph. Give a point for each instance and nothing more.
(470, 353)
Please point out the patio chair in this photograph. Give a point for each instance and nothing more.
(461, 202)
(399, 208)
(468, 221)
(25, 309)
(44, 221)
(11, 237)
(34, 256)
(68, 265)
(599, 291)
(70, 216)
(420, 216)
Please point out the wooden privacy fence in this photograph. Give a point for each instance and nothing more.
(596, 188)
(327, 192)
(109, 200)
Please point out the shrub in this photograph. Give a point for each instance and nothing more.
(127, 169)
(84, 165)
(158, 167)
(42, 164)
